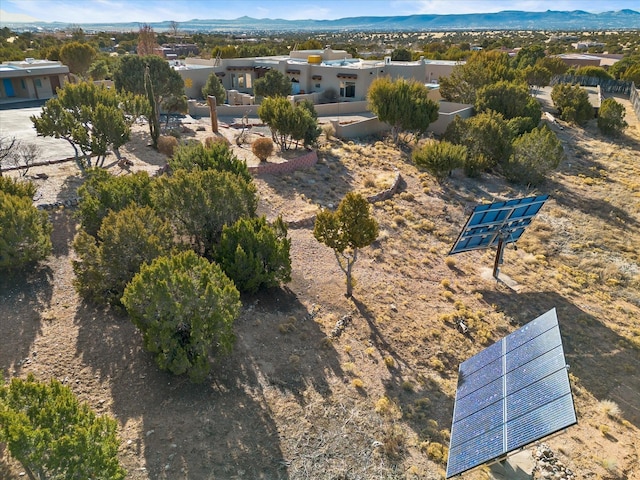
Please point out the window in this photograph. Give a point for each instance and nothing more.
(22, 84)
(348, 89)
(241, 80)
(317, 85)
(38, 83)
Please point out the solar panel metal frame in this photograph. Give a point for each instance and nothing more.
(490, 223)
(509, 395)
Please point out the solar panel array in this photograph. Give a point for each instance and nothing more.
(511, 394)
(488, 223)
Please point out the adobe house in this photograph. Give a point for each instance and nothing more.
(31, 79)
(310, 72)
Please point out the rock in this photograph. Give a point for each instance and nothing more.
(149, 432)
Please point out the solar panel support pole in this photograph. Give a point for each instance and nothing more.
(498, 261)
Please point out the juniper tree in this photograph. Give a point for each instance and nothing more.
(346, 230)
(185, 308)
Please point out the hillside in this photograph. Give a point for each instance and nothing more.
(324, 387)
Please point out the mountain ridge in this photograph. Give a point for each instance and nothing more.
(505, 20)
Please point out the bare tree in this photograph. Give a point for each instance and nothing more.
(8, 148)
(173, 28)
(147, 44)
(26, 156)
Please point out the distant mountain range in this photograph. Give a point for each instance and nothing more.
(507, 20)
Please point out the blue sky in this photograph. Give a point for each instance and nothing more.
(100, 11)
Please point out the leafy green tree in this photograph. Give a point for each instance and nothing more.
(528, 56)
(402, 104)
(126, 239)
(536, 75)
(255, 254)
(572, 101)
(632, 74)
(100, 69)
(346, 230)
(78, 57)
(593, 71)
(554, 64)
(201, 203)
(401, 55)
(90, 117)
(225, 51)
(273, 84)
(621, 68)
(185, 308)
(25, 232)
(511, 100)
(482, 68)
(311, 44)
(487, 137)
(51, 53)
(214, 88)
(535, 154)
(102, 193)
(216, 156)
(611, 117)
(19, 188)
(289, 123)
(152, 77)
(54, 436)
(440, 158)
(306, 123)
(174, 104)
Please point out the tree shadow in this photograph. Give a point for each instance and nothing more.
(604, 362)
(69, 188)
(218, 429)
(600, 208)
(287, 348)
(425, 407)
(64, 230)
(222, 428)
(24, 294)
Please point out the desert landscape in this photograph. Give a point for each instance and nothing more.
(320, 386)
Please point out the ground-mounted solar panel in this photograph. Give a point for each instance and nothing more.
(509, 395)
(497, 224)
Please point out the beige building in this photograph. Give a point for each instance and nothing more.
(310, 72)
(31, 79)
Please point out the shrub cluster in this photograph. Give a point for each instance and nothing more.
(148, 243)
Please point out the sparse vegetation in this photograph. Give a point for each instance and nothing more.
(289, 390)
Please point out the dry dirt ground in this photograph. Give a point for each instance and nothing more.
(324, 387)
